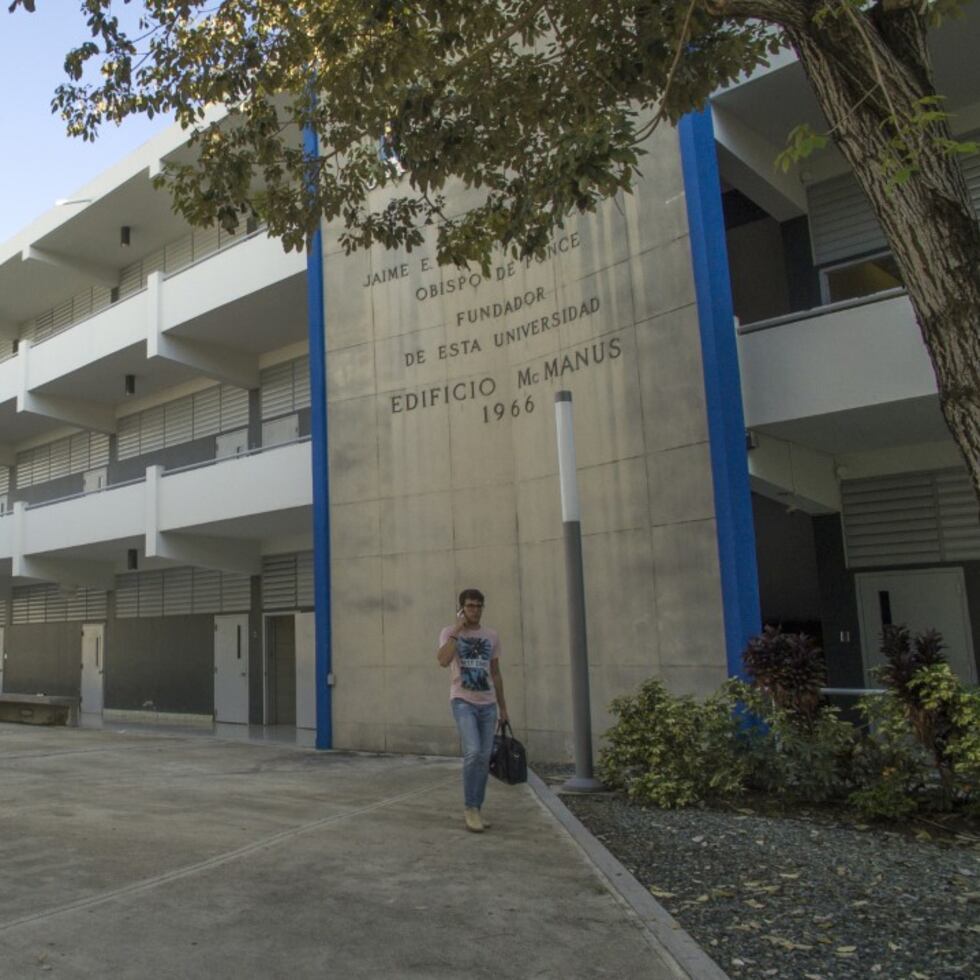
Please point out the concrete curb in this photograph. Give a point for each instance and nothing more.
(678, 948)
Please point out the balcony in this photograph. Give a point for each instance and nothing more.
(217, 514)
(233, 496)
(847, 377)
(212, 318)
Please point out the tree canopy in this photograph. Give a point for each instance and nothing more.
(538, 106)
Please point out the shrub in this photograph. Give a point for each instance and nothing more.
(890, 766)
(942, 695)
(672, 751)
(907, 663)
(803, 759)
(919, 748)
(922, 750)
(790, 668)
(904, 659)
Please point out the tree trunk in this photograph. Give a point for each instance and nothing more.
(865, 71)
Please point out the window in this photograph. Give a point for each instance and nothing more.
(864, 277)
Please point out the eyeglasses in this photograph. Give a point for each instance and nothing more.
(473, 605)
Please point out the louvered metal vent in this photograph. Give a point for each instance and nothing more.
(276, 391)
(909, 519)
(178, 422)
(285, 388)
(234, 408)
(221, 408)
(236, 593)
(842, 224)
(304, 580)
(279, 582)
(207, 412)
(127, 596)
(151, 594)
(301, 383)
(207, 590)
(50, 604)
(958, 521)
(287, 581)
(181, 591)
(76, 454)
(178, 591)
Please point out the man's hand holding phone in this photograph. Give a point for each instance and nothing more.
(460, 623)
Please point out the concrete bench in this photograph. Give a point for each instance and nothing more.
(39, 709)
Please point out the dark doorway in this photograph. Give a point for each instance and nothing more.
(281, 670)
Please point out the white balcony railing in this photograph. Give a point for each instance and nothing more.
(245, 486)
(850, 355)
(183, 253)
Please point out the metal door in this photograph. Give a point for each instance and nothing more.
(93, 667)
(305, 671)
(280, 669)
(231, 669)
(231, 443)
(95, 480)
(930, 598)
(282, 430)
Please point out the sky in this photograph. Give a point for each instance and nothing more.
(38, 162)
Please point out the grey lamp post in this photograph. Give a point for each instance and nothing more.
(583, 781)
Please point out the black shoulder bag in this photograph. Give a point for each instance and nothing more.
(508, 758)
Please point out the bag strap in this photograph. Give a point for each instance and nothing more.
(504, 727)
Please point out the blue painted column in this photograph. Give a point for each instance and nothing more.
(316, 321)
(723, 391)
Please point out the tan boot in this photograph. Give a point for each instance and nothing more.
(483, 820)
(473, 822)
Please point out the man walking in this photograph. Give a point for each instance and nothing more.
(476, 693)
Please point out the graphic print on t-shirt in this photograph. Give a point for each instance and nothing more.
(474, 662)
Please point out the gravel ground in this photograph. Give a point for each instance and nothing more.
(802, 896)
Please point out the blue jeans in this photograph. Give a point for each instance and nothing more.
(477, 724)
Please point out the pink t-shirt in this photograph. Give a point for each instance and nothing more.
(470, 668)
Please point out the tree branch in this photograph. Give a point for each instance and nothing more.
(783, 13)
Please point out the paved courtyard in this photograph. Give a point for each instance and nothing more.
(164, 855)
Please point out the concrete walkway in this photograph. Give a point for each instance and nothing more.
(176, 855)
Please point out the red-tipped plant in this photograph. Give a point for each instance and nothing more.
(790, 668)
(905, 659)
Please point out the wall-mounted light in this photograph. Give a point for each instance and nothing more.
(129, 384)
(124, 236)
(132, 559)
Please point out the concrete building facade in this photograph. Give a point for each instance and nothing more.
(156, 478)
(155, 407)
(864, 512)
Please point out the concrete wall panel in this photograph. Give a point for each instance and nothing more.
(357, 531)
(443, 461)
(689, 618)
(43, 658)
(358, 633)
(165, 662)
(668, 352)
